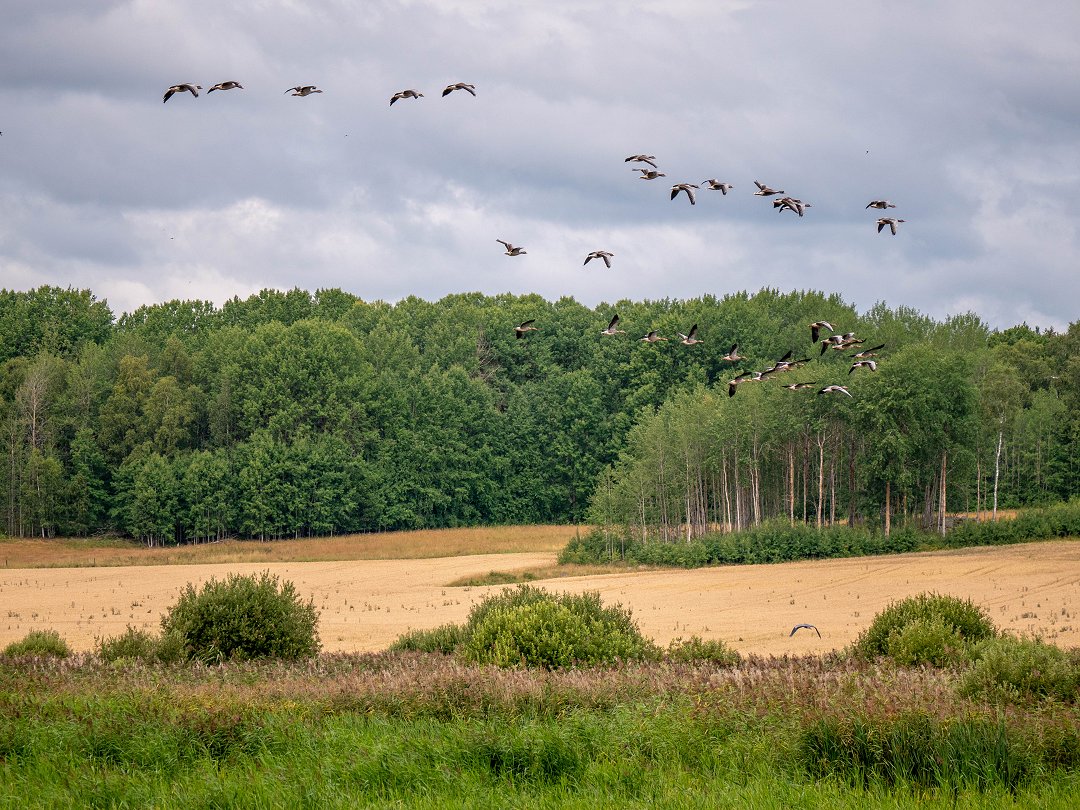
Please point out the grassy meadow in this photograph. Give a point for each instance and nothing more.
(415, 730)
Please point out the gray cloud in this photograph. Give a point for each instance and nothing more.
(963, 114)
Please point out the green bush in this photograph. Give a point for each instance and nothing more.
(1016, 670)
(696, 650)
(927, 641)
(776, 540)
(444, 639)
(960, 615)
(142, 646)
(526, 626)
(243, 617)
(39, 642)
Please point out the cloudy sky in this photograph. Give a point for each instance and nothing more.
(965, 114)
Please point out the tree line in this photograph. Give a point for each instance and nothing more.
(292, 413)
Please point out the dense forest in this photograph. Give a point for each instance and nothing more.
(291, 413)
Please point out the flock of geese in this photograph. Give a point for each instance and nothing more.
(306, 90)
(861, 359)
(781, 202)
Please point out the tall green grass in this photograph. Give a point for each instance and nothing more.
(418, 730)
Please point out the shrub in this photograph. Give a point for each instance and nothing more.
(927, 641)
(444, 639)
(961, 615)
(1017, 670)
(696, 649)
(243, 617)
(527, 626)
(142, 646)
(39, 642)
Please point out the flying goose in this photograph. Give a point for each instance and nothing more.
(687, 187)
(870, 364)
(716, 185)
(182, 88)
(816, 327)
(733, 356)
(523, 327)
(832, 342)
(800, 385)
(690, 338)
(450, 88)
(226, 86)
(804, 627)
(611, 330)
(891, 222)
(779, 365)
(652, 337)
(404, 94)
(834, 389)
(642, 159)
(791, 204)
(880, 204)
(871, 352)
(750, 376)
(841, 342)
(649, 174)
(303, 90)
(765, 191)
(510, 249)
(600, 254)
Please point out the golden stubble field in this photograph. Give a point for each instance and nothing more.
(367, 603)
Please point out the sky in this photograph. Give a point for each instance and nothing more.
(964, 114)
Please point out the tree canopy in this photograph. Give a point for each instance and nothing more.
(295, 413)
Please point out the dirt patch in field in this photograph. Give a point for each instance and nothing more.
(366, 604)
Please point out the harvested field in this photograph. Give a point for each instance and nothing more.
(366, 604)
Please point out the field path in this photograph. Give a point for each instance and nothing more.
(366, 604)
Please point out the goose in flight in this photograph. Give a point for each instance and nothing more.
(733, 356)
(834, 389)
(690, 338)
(600, 254)
(804, 627)
(750, 376)
(652, 337)
(880, 204)
(871, 352)
(404, 94)
(870, 364)
(765, 191)
(716, 185)
(523, 327)
(182, 88)
(511, 250)
(816, 327)
(649, 174)
(891, 222)
(841, 342)
(226, 86)
(791, 204)
(611, 330)
(303, 90)
(468, 88)
(687, 187)
(800, 385)
(832, 342)
(780, 365)
(650, 159)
